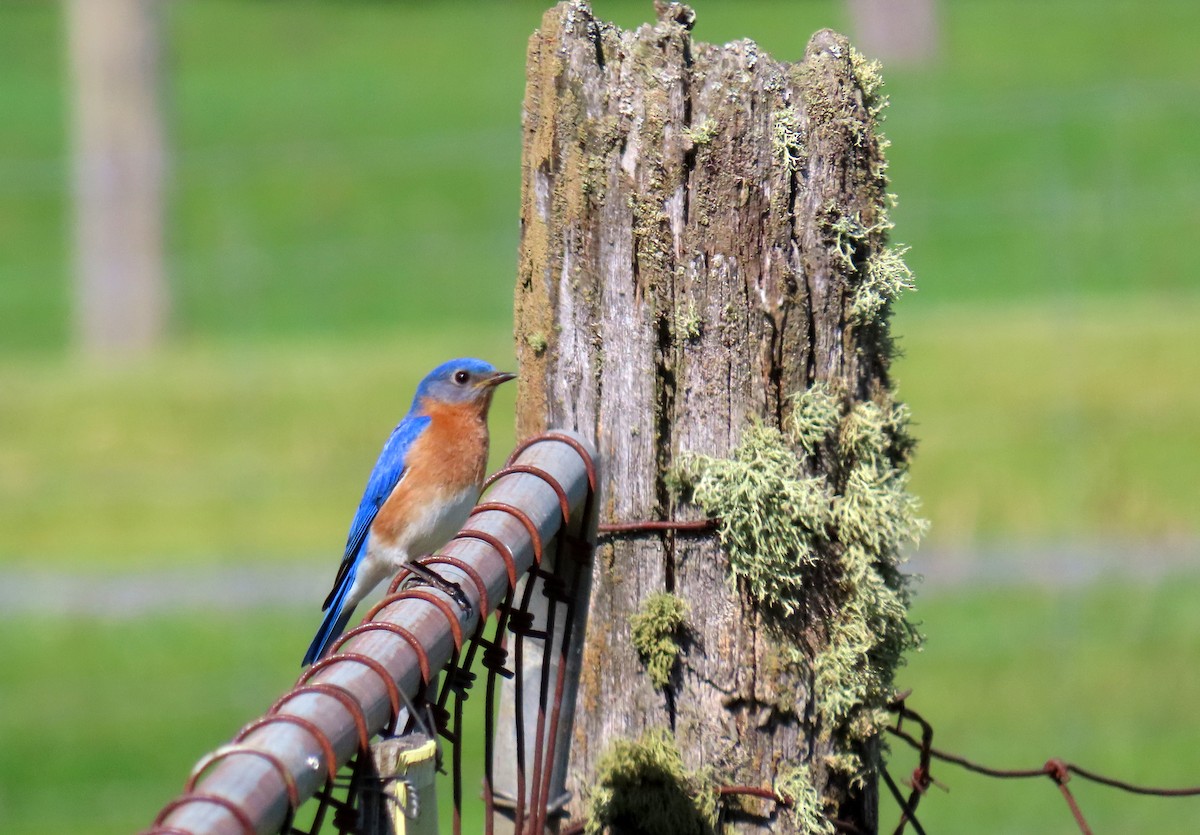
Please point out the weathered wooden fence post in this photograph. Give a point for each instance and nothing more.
(704, 289)
(119, 162)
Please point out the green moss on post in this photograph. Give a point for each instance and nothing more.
(705, 247)
(642, 787)
(702, 133)
(805, 808)
(657, 629)
(537, 341)
(771, 515)
(784, 515)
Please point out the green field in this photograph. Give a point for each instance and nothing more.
(343, 215)
(1098, 677)
(1009, 678)
(207, 454)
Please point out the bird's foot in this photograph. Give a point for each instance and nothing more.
(453, 590)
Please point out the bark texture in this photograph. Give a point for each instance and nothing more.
(684, 269)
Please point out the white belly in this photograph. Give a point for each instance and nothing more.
(425, 532)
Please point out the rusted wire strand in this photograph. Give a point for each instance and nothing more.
(654, 525)
(909, 813)
(493, 659)
(1051, 768)
(466, 618)
(1058, 770)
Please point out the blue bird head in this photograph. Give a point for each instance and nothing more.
(463, 380)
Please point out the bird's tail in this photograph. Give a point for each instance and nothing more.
(337, 615)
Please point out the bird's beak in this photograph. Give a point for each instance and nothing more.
(496, 379)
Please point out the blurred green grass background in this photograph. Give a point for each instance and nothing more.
(1095, 677)
(344, 196)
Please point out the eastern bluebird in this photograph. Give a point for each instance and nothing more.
(427, 479)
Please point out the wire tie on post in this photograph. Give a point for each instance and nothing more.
(588, 464)
(501, 548)
(427, 596)
(564, 504)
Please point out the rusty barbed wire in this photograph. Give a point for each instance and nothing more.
(436, 707)
(655, 525)
(1058, 770)
(533, 805)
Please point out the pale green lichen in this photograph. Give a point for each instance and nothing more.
(657, 630)
(805, 808)
(782, 507)
(537, 341)
(869, 75)
(642, 786)
(848, 764)
(814, 417)
(703, 133)
(882, 276)
(886, 277)
(875, 517)
(787, 140)
(688, 323)
(771, 515)
(849, 233)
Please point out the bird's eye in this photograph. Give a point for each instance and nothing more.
(461, 377)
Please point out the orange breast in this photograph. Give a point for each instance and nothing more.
(449, 456)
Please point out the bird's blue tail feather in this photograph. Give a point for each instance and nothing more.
(337, 615)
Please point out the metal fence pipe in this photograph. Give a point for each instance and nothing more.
(283, 758)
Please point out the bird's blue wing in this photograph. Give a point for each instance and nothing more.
(388, 471)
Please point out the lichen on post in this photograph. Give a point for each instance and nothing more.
(704, 288)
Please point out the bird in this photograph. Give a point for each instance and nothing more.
(428, 478)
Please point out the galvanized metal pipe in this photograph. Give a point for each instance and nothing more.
(254, 783)
(573, 569)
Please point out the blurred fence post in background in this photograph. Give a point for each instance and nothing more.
(896, 32)
(119, 154)
(704, 240)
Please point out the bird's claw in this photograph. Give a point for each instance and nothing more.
(453, 590)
